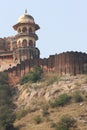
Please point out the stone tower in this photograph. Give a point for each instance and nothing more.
(26, 39)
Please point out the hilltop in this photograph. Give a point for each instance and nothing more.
(39, 106)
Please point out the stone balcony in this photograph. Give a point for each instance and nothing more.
(27, 34)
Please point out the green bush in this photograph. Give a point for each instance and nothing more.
(33, 76)
(68, 121)
(10, 127)
(77, 97)
(38, 119)
(24, 79)
(6, 118)
(61, 126)
(3, 78)
(61, 100)
(22, 113)
(65, 123)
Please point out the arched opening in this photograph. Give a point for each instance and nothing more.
(19, 30)
(24, 29)
(19, 43)
(31, 43)
(30, 30)
(24, 43)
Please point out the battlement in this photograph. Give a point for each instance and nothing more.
(64, 63)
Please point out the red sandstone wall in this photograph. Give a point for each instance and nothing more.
(64, 63)
(70, 62)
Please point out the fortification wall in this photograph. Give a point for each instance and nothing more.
(64, 63)
(70, 62)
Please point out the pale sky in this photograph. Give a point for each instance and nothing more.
(63, 23)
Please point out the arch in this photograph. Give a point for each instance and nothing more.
(24, 29)
(24, 43)
(19, 30)
(30, 30)
(19, 43)
(30, 43)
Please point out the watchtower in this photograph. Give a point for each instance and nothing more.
(26, 39)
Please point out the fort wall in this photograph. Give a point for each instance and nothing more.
(64, 63)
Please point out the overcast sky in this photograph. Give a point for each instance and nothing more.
(63, 23)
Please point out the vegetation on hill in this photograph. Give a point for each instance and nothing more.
(61, 100)
(33, 76)
(6, 114)
(65, 123)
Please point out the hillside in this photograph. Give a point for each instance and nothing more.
(37, 103)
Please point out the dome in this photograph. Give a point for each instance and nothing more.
(26, 18)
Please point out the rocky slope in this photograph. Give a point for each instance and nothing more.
(33, 100)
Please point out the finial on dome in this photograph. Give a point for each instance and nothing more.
(25, 11)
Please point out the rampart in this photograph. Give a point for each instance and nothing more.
(65, 63)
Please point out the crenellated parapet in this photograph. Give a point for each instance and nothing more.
(72, 63)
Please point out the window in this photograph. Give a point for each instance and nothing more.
(30, 30)
(19, 30)
(31, 43)
(24, 43)
(24, 29)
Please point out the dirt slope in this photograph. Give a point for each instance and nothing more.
(33, 101)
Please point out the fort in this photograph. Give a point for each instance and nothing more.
(19, 53)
